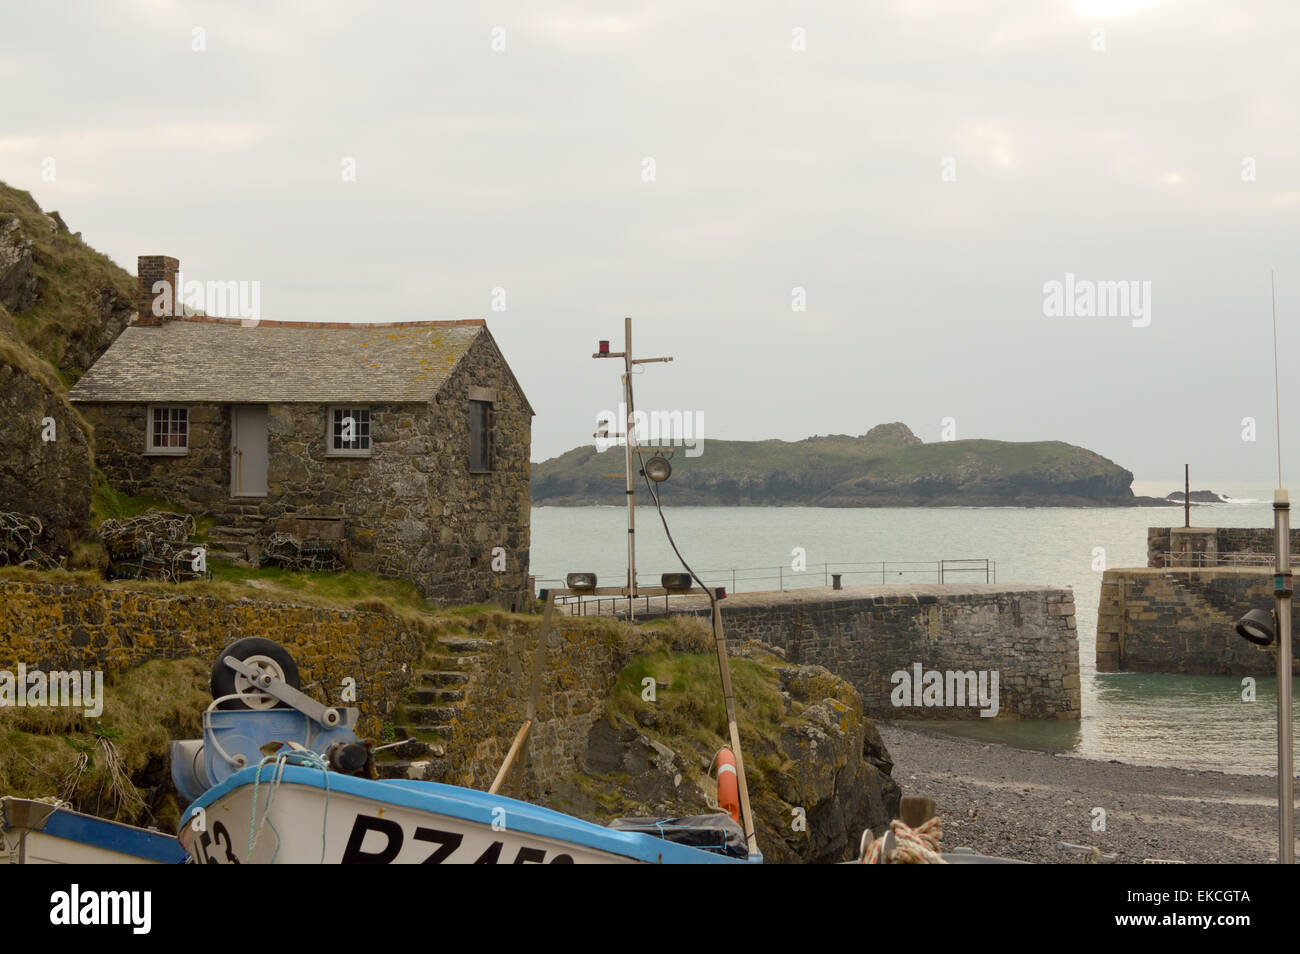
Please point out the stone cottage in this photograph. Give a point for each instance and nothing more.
(407, 442)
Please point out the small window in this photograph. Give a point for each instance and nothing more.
(349, 431)
(480, 437)
(168, 430)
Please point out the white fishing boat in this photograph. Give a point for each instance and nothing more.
(311, 800)
(35, 832)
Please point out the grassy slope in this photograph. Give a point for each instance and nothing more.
(73, 282)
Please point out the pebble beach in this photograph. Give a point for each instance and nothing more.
(1021, 804)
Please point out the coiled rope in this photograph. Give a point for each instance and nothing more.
(305, 758)
(912, 846)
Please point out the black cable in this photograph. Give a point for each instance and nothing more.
(664, 520)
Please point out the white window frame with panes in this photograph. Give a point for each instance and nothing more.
(349, 410)
(174, 415)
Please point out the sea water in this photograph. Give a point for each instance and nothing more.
(1196, 722)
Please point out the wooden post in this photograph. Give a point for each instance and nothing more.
(915, 810)
(729, 700)
(1187, 496)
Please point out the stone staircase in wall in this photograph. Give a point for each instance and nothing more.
(431, 708)
(1209, 604)
(235, 530)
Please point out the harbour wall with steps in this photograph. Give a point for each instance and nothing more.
(865, 634)
(1182, 620)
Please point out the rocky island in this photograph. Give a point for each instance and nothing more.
(888, 466)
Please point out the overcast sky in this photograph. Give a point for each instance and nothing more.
(920, 169)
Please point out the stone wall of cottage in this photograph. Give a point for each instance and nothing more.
(198, 481)
(382, 499)
(473, 514)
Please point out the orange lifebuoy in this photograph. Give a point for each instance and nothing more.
(728, 786)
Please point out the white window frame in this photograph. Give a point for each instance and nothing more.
(331, 450)
(149, 447)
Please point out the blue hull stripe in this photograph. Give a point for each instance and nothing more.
(112, 836)
(474, 806)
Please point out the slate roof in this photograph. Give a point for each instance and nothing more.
(218, 360)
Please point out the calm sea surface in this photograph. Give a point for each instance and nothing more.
(1190, 721)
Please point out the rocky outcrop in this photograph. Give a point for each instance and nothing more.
(837, 770)
(77, 301)
(816, 780)
(45, 457)
(814, 786)
(61, 305)
(17, 280)
(895, 433)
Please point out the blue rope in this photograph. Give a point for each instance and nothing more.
(304, 758)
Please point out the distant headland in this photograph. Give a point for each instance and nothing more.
(888, 466)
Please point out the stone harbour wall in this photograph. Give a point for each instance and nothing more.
(1182, 620)
(70, 626)
(865, 634)
(1210, 546)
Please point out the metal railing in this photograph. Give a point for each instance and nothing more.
(751, 579)
(1175, 559)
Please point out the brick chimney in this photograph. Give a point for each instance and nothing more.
(151, 269)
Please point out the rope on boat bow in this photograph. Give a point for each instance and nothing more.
(290, 755)
(912, 846)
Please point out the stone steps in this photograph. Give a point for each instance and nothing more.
(444, 677)
(1220, 607)
(434, 697)
(432, 706)
(432, 715)
(441, 730)
(466, 644)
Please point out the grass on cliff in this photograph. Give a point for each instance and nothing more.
(73, 281)
(691, 703)
(90, 761)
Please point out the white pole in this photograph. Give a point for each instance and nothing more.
(628, 456)
(1282, 593)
